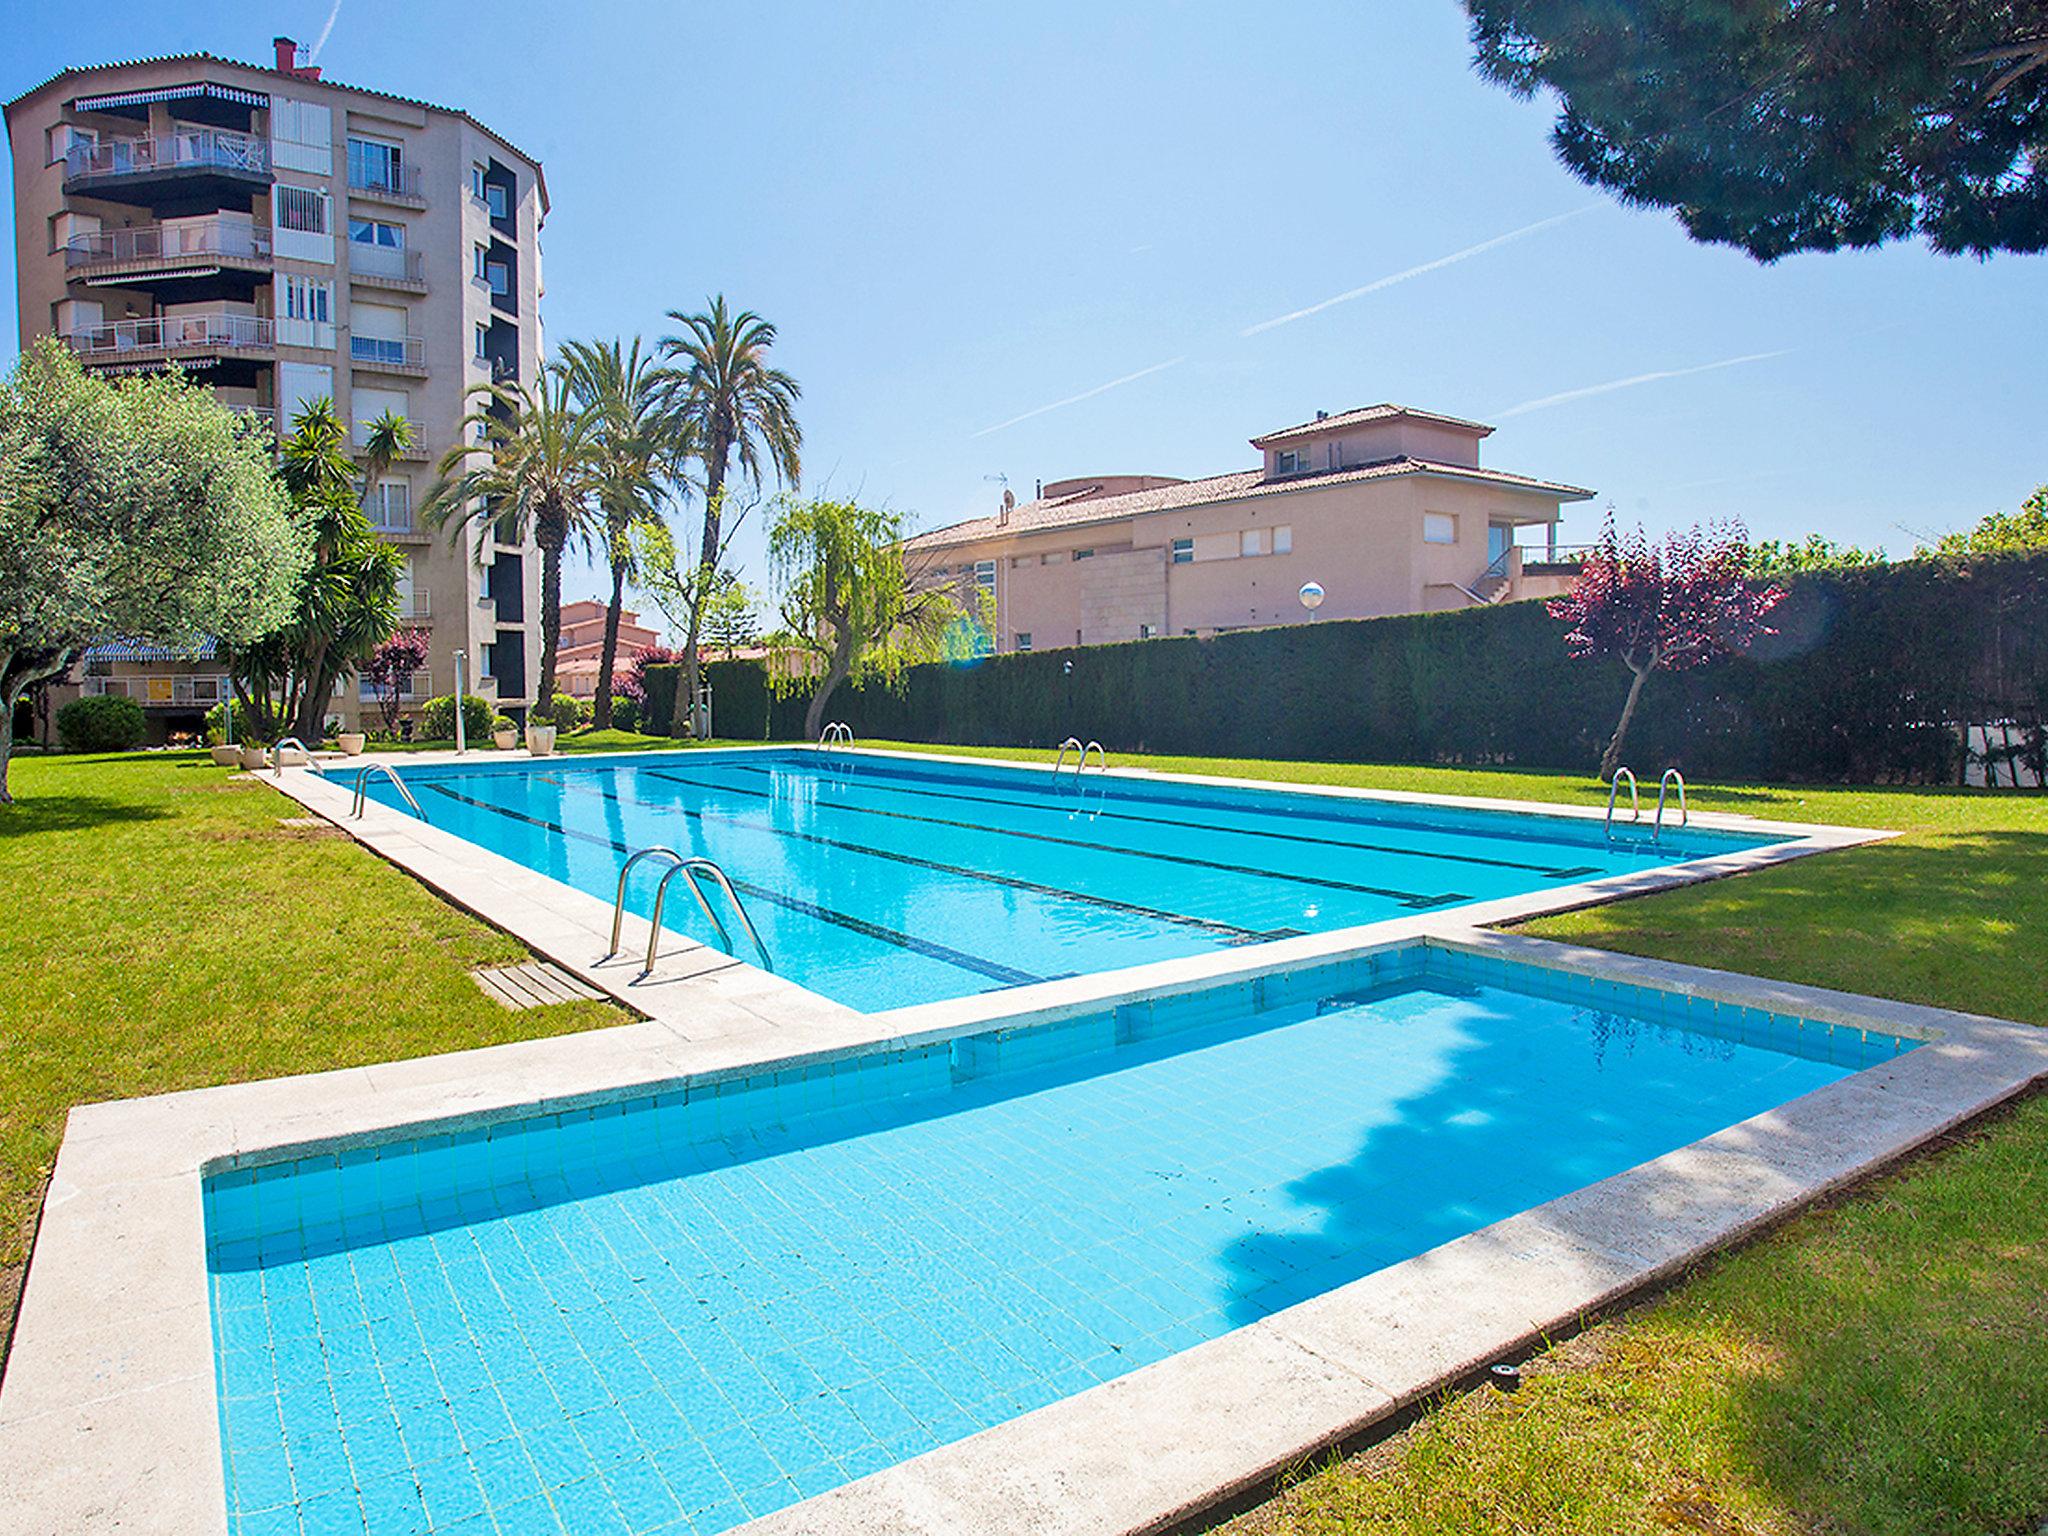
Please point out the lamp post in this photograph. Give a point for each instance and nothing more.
(1312, 598)
(461, 735)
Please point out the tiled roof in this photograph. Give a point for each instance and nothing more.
(1385, 411)
(143, 650)
(264, 69)
(1079, 510)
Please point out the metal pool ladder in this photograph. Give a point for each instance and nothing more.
(277, 754)
(1073, 744)
(836, 734)
(1671, 776)
(363, 773)
(1635, 804)
(689, 869)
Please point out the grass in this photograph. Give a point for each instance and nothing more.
(1877, 1367)
(166, 931)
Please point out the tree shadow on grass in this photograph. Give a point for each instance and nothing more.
(39, 814)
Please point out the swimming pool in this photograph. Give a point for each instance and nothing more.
(882, 881)
(688, 1309)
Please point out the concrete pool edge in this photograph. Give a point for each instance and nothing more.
(108, 1410)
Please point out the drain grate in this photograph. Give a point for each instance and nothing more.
(535, 984)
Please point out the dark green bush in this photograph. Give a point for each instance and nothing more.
(625, 713)
(740, 701)
(102, 722)
(438, 717)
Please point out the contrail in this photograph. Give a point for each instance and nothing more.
(1544, 401)
(332, 16)
(1428, 266)
(1086, 394)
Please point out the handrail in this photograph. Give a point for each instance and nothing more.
(1071, 744)
(1671, 776)
(1101, 758)
(363, 789)
(689, 869)
(619, 901)
(836, 733)
(1635, 804)
(277, 754)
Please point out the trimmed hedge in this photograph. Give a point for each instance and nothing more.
(102, 722)
(740, 702)
(1868, 675)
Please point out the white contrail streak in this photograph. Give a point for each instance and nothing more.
(332, 17)
(1428, 266)
(1086, 394)
(1543, 402)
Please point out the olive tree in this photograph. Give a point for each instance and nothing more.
(143, 510)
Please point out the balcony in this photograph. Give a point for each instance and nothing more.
(415, 607)
(176, 691)
(381, 266)
(192, 165)
(395, 184)
(201, 340)
(389, 354)
(171, 259)
(415, 689)
(415, 453)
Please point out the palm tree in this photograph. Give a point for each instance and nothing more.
(383, 441)
(531, 460)
(639, 453)
(734, 406)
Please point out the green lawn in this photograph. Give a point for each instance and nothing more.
(164, 930)
(1877, 1367)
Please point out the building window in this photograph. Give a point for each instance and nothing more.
(390, 506)
(1183, 551)
(985, 575)
(483, 343)
(302, 209)
(1439, 528)
(1084, 554)
(1148, 631)
(1252, 542)
(1291, 461)
(1283, 539)
(476, 180)
(390, 237)
(1023, 639)
(480, 257)
(499, 276)
(305, 299)
(499, 197)
(372, 163)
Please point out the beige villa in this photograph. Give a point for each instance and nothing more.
(1386, 508)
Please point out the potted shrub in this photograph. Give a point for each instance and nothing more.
(351, 742)
(504, 734)
(540, 737)
(255, 757)
(225, 756)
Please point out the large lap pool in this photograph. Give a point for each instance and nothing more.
(685, 1310)
(883, 881)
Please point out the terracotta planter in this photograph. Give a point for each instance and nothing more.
(506, 739)
(255, 757)
(352, 742)
(227, 757)
(540, 740)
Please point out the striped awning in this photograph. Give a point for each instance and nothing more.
(123, 279)
(143, 650)
(115, 101)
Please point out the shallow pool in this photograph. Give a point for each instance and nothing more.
(885, 881)
(688, 1309)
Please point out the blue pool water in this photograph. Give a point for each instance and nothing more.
(882, 882)
(683, 1311)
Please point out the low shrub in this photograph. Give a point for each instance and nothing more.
(439, 717)
(102, 722)
(625, 713)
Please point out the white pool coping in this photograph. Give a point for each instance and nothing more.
(108, 1412)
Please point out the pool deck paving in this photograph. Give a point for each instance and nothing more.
(108, 1411)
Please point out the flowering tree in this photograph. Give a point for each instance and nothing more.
(390, 670)
(632, 682)
(1679, 604)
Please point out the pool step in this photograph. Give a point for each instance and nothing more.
(536, 984)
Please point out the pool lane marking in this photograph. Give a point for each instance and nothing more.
(1229, 933)
(1411, 899)
(1547, 871)
(1278, 786)
(994, 970)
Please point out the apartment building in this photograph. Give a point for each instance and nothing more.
(285, 238)
(579, 652)
(1385, 508)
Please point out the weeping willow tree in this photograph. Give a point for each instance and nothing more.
(852, 604)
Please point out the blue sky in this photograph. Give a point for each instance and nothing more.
(962, 216)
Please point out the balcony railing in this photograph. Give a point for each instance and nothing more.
(216, 239)
(402, 266)
(415, 604)
(173, 333)
(389, 518)
(388, 351)
(179, 689)
(419, 686)
(399, 181)
(189, 149)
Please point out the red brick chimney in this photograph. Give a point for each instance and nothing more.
(288, 60)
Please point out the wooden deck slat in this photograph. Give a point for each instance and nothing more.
(534, 984)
